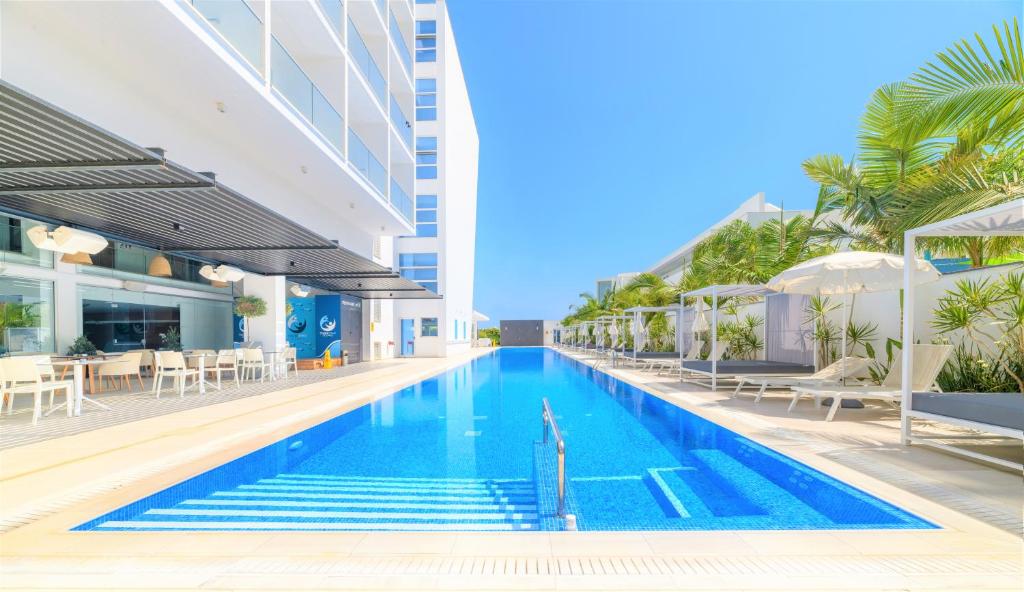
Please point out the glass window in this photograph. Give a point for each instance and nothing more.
(426, 157)
(420, 268)
(426, 100)
(426, 41)
(428, 327)
(426, 201)
(426, 85)
(124, 257)
(15, 246)
(26, 314)
(426, 1)
(426, 216)
(426, 114)
(426, 172)
(425, 143)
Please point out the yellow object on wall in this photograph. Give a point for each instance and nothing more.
(328, 362)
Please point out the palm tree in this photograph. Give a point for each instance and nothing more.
(948, 141)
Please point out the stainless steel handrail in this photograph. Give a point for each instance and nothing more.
(548, 416)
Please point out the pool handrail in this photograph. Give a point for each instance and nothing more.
(548, 417)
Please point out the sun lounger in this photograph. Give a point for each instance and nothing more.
(928, 362)
(831, 375)
(1000, 414)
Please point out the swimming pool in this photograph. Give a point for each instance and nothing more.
(461, 452)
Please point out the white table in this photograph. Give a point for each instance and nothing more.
(202, 373)
(78, 378)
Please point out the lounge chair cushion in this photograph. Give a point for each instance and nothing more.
(734, 367)
(999, 409)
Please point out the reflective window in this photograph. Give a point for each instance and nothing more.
(426, 216)
(426, 41)
(426, 157)
(420, 268)
(26, 311)
(428, 327)
(426, 99)
(15, 246)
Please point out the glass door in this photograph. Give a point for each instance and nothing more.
(408, 336)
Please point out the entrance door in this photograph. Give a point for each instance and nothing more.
(408, 336)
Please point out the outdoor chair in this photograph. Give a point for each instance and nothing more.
(831, 375)
(253, 360)
(122, 369)
(290, 359)
(170, 364)
(147, 361)
(928, 362)
(22, 375)
(227, 361)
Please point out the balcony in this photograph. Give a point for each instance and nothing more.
(403, 49)
(333, 10)
(366, 64)
(401, 201)
(288, 79)
(402, 123)
(360, 157)
(238, 25)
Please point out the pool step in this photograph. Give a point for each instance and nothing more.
(290, 501)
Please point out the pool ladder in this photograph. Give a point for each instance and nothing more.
(549, 420)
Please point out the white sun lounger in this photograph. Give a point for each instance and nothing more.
(928, 362)
(831, 375)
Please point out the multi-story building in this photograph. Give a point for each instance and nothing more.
(304, 110)
(440, 254)
(606, 285)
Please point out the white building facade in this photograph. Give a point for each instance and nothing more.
(306, 108)
(440, 255)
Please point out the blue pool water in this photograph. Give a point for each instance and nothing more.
(461, 451)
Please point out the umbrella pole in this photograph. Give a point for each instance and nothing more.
(842, 354)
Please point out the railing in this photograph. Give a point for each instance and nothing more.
(548, 417)
(403, 49)
(401, 122)
(361, 56)
(401, 201)
(382, 8)
(366, 163)
(239, 25)
(292, 83)
(333, 10)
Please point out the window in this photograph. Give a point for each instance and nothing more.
(26, 307)
(426, 99)
(15, 246)
(420, 268)
(426, 1)
(426, 215)
(426, 157)
(426, 41)
(428, 327)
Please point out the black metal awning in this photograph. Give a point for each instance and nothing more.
(58, 168)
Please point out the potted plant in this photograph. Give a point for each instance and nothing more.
(171, 340)
(249, 307)
(82, 347)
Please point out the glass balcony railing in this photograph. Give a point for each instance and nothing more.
(402, 123)
(333, 11)
(403, 49)
(291, 82)
(382, 7)
(361, 56)
(239, 25)
(366, 163)
(401, 201)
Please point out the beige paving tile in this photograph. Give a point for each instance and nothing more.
(406, 543)
(496, 582)
(797, 543)
(306, 543)
(532, 544)
(698, 543)
(599, 543)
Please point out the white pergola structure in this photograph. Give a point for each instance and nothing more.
(638, 311)
(715, 292)
(1002, 220)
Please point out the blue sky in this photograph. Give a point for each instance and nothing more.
(612, 132)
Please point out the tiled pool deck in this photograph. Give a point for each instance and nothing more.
(48, 486)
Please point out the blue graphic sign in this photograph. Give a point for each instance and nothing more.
(238, 331)
(301, 327)
(328, 324)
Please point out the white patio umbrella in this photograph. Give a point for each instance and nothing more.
(613, 332)
(849, 272)
(641, 335)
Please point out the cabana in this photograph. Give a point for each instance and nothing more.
(640, 335)
(731, 369)
(998, 414)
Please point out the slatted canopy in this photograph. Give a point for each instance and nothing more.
(60, 169)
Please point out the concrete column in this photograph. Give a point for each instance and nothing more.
(269, 329)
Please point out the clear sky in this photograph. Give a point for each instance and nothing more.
(612, 132)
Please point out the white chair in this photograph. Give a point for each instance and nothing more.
(122, 368)
(172, 364)
(21, 375)
(193, 360)
(252, 360)
(928, 362)
(831, 375)
(226, 361)
(289, 359)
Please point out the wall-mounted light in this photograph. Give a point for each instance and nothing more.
(159, 266)
(65, 239)
(298, 291)
(221, 273)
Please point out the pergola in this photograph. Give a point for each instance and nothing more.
(1002, 220)
(637, 314)
(610, 320)
(715, 292)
